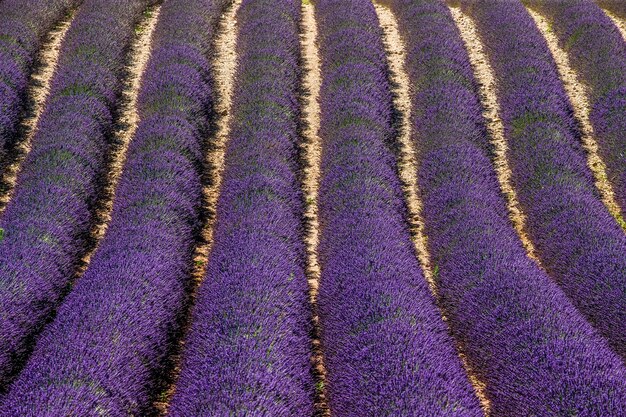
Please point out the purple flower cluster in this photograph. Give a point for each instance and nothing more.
(386, 347)
(523, 337)
(45, 225)
(23, 25)
(107, 349)
(248, 351)
(597, 52)
(577, 240)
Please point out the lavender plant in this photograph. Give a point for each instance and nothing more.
(597, 52)
(522, 337)
(579, 243)
(386, 347)
(46, 223)
(23, 26)
(107, 351)
(248, 351)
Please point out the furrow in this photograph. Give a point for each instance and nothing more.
(126, 126)
(580, 104)
(311, 156)
(112, 345)
(486, 282)
(223, 69)
(486, 83)
(249, 346)
(25, 26)
(582, 36)
(58, 198)
(579, 243)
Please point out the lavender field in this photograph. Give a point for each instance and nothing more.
(357, 208)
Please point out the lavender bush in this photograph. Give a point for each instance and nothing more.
(597, 52)
(248, 351)
(23, 25)
(45, 225)
(524, 339)
(106, 352)
(386, 347)
(578, 241)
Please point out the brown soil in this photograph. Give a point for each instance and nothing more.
(396, 57)
(127, 122)
(619, 23)
(311, 150)
(578, 97)
(491, 110)
(224, 67)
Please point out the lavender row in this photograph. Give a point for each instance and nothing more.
(106, 353)
(597, 52)
(386, 347)
(577, 240)
(523, 338)
(248, 351)
(23, 26)
(47, 221)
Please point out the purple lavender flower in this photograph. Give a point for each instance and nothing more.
(597, 52)
(522, 336)
(248, 351)
(47, 221)
(386, 347)
(617, 7)
(106, 352)
(23, 25)
(579, 243)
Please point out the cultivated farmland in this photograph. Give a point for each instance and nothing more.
(312, 208)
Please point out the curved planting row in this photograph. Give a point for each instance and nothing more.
(597, 52)
(23, 25)
(535, 353)
(386, 347)
(577, 240)
(45, 225)
(248, 351)
(107, 349)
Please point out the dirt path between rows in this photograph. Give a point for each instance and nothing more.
(618, 22)
(224, 68)
(491, 113)
(580, 104)
(311, 150)
(408, 166)
(36, 97)
(127, 121)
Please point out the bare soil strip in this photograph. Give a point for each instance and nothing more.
(580, 104)
(36, 96)
(311, 150)
(619, 23)
(407, 167)
(127, 121)
(491, 110)
(224, 67)
(396, 57)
